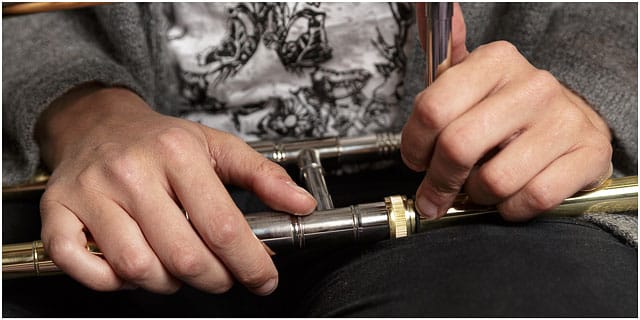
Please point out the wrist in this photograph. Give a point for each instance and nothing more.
(84, 109)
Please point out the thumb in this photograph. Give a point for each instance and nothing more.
(458, 32)
(238, 164)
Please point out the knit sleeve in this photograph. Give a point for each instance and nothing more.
(592, 48)
(44, 56)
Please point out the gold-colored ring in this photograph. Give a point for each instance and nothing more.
(397, 216)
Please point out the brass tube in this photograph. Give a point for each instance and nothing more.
(36, 7)
(438, 38)
(613, 196)
(312, 173)
(393, 218)
(381, 145)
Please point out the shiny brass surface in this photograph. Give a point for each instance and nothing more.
(438, 42)
(340, 148)
(380, 145)
(36, 7)
(401, 216)
(614, 195)
(30, 259)
(394, 218)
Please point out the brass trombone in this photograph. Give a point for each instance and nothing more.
(393, 218)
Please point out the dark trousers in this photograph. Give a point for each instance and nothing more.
(559, 267)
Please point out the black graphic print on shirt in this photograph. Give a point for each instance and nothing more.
(291, 69)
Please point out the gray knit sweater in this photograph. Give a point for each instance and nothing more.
(592, 48)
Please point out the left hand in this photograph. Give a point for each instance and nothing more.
(510, 133)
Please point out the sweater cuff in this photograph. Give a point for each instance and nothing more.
(21, 157)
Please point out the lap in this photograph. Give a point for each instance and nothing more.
(547, 267)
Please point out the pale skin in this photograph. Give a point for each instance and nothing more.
(546, 143)
(123, 173)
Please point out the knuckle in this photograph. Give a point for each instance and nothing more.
(541, 198)
(175, 143)
(498, 51)
(503, 49)
(132, 264)
(497, 183)
(225, 231)
(454, 148)
(543, 84)
(186, 263)
(89, 178)
(268, 168)
(57, 246)
(412, 148)
(603, 147)
(429, 112)
(126, 168)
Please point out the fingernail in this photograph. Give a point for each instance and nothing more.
(298, 189)
(426, 208)
(268, 287)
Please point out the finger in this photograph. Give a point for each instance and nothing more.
(66, 244)
(238, 164)
(173, 239)
(560, 180)
(194, 177)
(192, 180)
(444, 101)
(226, 232)
(458, 31)
(524, 158)
(472, 135)
(129, 254)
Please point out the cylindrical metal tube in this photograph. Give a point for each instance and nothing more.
(381, 144)
(614, 195)
(30, 259)
(312, 174)
(438, 40)
(393, 218)
(360, 223)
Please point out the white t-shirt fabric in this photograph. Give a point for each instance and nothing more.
(291, 70)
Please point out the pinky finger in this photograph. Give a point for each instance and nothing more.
(561, 179)
(66, 243)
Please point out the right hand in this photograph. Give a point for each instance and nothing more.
(122, 173)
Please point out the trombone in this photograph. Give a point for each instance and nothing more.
(393, 218)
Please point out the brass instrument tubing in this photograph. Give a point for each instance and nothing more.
(312, 174)
(367, 222)
(36, 7)
(285, 153)
(438, 40)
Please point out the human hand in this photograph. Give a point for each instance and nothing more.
(122, 172)
(511, 134)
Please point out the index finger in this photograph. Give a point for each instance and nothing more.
(238, 164)
(228, 235)
(457, 90)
